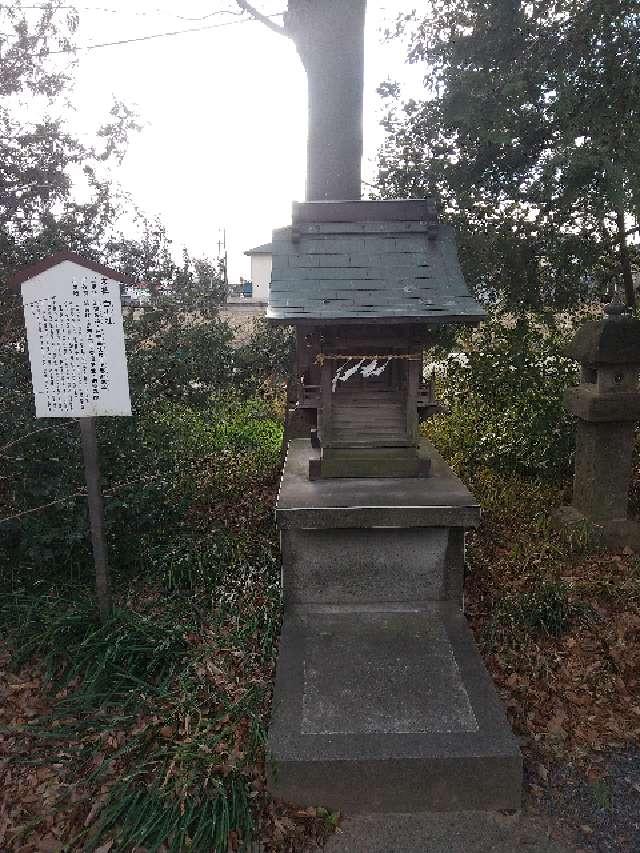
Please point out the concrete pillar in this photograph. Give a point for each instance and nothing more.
(329, 36)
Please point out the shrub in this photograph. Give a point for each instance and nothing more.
(165, 472)
(184, 358)
(505, 392)
(267, 355)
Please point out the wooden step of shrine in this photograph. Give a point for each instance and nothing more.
(369, 461)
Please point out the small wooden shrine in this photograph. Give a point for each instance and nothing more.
(365, 283)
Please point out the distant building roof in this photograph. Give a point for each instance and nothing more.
(265, 249)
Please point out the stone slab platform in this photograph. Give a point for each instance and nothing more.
(447, 832)
(438, 500)
(388, 709)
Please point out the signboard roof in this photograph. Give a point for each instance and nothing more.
(66, 255)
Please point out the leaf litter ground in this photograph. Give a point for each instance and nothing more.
(149, 735)
(558, 623)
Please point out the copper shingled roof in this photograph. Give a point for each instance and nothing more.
(384, 261)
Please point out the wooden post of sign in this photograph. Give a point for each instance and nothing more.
(96, 514)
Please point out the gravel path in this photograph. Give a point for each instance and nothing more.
(603, 803)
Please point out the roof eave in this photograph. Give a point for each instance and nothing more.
(376, 320)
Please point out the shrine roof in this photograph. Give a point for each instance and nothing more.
(383, 262)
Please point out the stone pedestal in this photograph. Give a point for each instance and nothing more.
(603, 469)
(607, 405)
(381, 701)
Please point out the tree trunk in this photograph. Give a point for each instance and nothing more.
(329, 36)
(625, 260)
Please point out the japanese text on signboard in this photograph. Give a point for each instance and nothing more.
(76, 347)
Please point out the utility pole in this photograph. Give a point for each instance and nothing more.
(222, 253)
(226, 257)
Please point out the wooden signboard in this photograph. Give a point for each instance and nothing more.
(76, 343)
(75, 337)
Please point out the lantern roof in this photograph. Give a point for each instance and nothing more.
(611, 341)
(368, 261)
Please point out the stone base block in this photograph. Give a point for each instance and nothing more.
(615, 534)
(366, 566)
(447, 832)
(439, 500)
(388, 709)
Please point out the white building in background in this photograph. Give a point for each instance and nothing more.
(248, 300)
(261, 262)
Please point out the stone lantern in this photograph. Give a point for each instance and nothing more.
(607, 405)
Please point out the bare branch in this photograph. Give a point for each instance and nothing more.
(35, 432)
(247, 7)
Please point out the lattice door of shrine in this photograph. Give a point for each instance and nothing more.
(370, 412)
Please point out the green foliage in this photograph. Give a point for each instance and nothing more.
(141, 815)
(187, 561)
(526, 136)
(163, 474)
(505, 391)
(547, 609)
(178, 358)
(194, 443)
(332, 818)
(108, 663)
(602, 794)
(223, 422)
(267, 355)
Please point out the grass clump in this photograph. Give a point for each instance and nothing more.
(139, 816)
(108, 663)
(158, 715)
(547, 609)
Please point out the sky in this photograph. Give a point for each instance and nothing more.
(223, 144)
